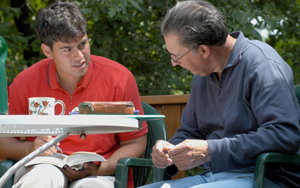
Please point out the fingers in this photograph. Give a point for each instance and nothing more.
(45, 138)
(177, 154)
(160, 157)
(91, 165)
(72, 174)
(186, 155)
(167, 147)
(41, 140)
(177, 150)
(190, 153)
(67, 172)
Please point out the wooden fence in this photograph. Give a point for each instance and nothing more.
(172, 107)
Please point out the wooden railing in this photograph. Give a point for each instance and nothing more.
(172, 107)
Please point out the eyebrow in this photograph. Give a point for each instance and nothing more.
(84, 40)
(71, 46)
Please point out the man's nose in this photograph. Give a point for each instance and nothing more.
(174, 63)
(78, 55)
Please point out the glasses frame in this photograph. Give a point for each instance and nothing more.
(175, 61)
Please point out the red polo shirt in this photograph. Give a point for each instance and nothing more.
(105, 80)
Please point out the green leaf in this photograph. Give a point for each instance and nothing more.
(273, 24)
(16, 12)
(256, 34)
(136, 5)
(87, 10)
(96, 15)
(112, 11)
(124, 6)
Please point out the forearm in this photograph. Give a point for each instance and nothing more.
(13, 149)
(242, 150)
(135, 149)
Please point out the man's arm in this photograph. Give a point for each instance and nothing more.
(190, 153)
(13, 149)
(160, 156)
(269, 90)
(189, 128)
(131, 148)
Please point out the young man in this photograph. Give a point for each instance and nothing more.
(242, 103)
(72, 74)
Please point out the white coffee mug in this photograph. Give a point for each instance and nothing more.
(44, 106)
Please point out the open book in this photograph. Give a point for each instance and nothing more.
(75, 160)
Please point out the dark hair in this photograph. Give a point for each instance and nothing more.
(61, 21)
(195, 23)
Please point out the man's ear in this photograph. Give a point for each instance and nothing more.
(204, 50)
(46, 50)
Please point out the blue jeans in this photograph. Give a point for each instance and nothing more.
(209, 180)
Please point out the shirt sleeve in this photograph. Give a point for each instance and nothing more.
(17, 98)
(270, 96)
(188, 130)
(189, 127)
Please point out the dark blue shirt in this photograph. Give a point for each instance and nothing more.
(252, 110)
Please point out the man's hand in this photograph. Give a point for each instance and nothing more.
(189, 154)
(160, 156)
(41, 140)
(88, 169)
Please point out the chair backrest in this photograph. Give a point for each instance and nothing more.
(156, 131)
(3, 82)
(297, 91)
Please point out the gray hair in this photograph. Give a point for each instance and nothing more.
(195, 23)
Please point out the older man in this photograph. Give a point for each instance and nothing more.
(242, 103)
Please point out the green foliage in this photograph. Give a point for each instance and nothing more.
(139, 47)
(128, 31)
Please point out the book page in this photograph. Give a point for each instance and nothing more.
(82, 152)
(59, 155)
(46, 159)
(79, 158)
(75, 160)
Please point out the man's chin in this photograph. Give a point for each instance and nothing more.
(200, 74)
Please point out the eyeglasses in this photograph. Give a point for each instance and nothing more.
(175, 61)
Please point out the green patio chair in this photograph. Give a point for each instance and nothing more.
(4, 102)
(3, 82)
(142, 166)
(4, 166)
(272, 157)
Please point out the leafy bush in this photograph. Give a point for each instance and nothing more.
(128, 31)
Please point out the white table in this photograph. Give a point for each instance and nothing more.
(62, 127)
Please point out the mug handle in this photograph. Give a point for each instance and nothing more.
(62, 105)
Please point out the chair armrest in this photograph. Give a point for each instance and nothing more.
(123, 166)
(4, 166)
(263, 158)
